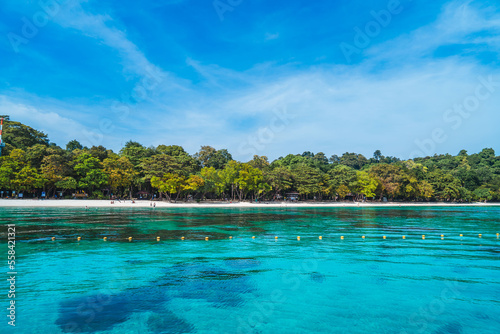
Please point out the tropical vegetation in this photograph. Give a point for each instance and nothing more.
(33, 166)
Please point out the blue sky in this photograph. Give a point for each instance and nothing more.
(407, 77)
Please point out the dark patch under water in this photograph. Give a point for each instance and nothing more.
(317, 277)
(242, 263)
(100, 312)
(168, 322)
(451, 328)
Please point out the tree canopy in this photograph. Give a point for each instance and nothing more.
(32, 165)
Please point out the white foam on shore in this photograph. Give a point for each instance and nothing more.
(79, 203)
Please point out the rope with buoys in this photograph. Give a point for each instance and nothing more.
(384, 237)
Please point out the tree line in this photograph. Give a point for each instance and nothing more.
(32, 165)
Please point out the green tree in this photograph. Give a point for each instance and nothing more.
(308, 180)
(483, 194)
(211, 181)
(377, 156)
(425, 190)
(91, 173)
(120, 173)
(68, 183)
(353, 160)
(73, 145)
(250, 180)
(292, 160)
(99, 152)
(135, 152)
(366, 184)
(445, 185)
(19, 136)
(27, 179)
(391, 178)
(54, 168)
(228, 176)
(260, 162)
(194, 183)
(171, 150)
(280, 179)
(169, 184)
(210, 157)
(343, 191)
(10, 165)
(344, 176)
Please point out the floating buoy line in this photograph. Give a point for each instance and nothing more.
(299, 238)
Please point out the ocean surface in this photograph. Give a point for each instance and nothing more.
(261, 285)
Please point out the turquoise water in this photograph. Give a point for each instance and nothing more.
(261, 285)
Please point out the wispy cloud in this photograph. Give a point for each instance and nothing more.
(397, 94)
(270, 37)
(460, 22)
(47, 120)
(103, 28)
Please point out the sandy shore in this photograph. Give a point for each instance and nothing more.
(71, 203)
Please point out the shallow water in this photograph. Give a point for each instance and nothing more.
(261, 285)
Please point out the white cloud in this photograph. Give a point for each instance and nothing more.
(336, 108)
(270, 37)
(103, 28)
(61, 121)
(458, 23)
(49, 122)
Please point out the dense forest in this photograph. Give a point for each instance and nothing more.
(33, 166)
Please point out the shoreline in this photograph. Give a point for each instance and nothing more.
(76, 203)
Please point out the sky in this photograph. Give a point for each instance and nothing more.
(410, 77)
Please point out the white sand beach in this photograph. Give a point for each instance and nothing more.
(78, 203)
